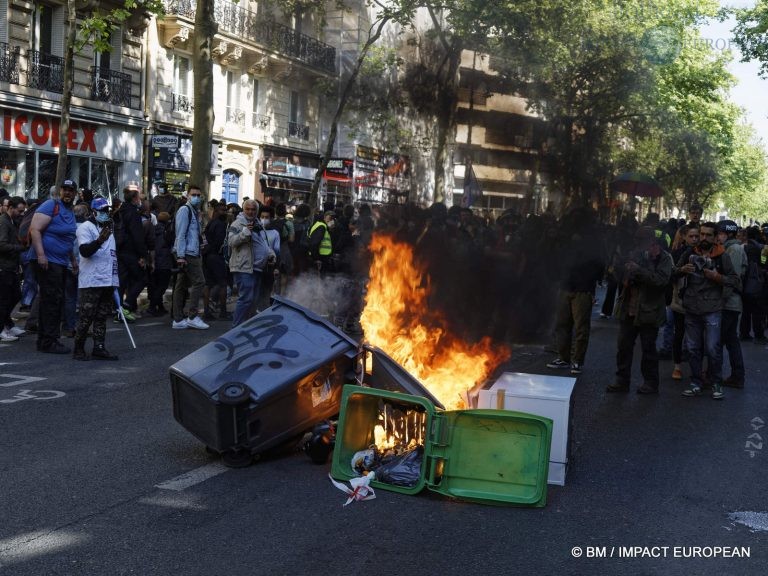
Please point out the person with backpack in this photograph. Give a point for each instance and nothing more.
(732, 305)
(10, 252)
(52, 233)
(132, 254)
(186, 249)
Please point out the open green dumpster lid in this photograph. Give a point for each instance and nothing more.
(489, 456)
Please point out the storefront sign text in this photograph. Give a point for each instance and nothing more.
(43, 131)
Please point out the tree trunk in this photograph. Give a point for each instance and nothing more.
(373, 36)
(66, 94)
(446, 116)
(202, 66)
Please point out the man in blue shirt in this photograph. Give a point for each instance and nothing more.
(53, 231)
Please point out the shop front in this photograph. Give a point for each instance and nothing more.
(381, 177)
(170, 160)
(287, 175)
(100, 156)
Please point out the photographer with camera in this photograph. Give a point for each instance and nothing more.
(97, 280)
(642, 309)
(250, 255)
(709, 279)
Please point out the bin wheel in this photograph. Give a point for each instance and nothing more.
(233, 393)
(237, 458)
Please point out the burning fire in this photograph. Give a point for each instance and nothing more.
(397, 320)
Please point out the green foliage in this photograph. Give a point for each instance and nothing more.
(744, 177)
(751, 34)
(96, 28)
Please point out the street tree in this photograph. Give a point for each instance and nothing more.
(751, 33)
(98, 21)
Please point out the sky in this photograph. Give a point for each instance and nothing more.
(750, 92)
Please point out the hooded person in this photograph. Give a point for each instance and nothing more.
(727, 231)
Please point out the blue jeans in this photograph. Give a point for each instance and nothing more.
(668, 332)
(247, 293)
(29, 287)
(702, 336)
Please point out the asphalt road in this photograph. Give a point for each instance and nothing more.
(97, 478)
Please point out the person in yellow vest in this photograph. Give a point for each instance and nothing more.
(320, 244)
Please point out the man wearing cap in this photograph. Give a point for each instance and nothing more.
(52, 231)
(97, 280)
(732, 304)
(709, 277)
(641, 309)
(320, 243)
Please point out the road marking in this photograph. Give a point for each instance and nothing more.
(19, 380)
(34, 395)
(151, 324)
(193, 477)
(753, 520)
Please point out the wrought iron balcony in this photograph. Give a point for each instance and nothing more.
(9, 63)
(260, 121)
(45, 71)
(110, 86)
(298, 131)
(236, 116)
(182, 103)
(247, 25)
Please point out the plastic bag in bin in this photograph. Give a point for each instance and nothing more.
(402, 469)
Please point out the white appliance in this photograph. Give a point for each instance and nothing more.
(542, 395)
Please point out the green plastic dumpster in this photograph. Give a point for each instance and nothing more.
(485, 456)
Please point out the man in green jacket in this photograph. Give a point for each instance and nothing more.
(641, 309)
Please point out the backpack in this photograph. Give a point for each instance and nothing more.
(754, 280)
(24, 236)
(170, 229)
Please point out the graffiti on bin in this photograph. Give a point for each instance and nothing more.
(258, 338)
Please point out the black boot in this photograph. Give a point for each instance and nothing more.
(101, 353)
(79, 351)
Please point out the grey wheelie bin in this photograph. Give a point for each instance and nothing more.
(264, 382)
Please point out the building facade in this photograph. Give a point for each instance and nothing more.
(105, 137)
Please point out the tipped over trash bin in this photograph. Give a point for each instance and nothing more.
(486, 456)
(264, 382)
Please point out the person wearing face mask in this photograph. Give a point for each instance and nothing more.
(271, 271)
(52, 233)
(97, 281)
(320, 243)
(189, 263)
(709, 278)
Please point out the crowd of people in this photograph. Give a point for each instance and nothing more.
(701, 285)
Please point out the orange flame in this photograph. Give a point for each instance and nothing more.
(396, 318)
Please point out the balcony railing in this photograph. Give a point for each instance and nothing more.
(260, 121)
(236, 116)
(45, 71)
(9, 63)
(110, 86)
(246, 24)
(298, 131)
(182, 103)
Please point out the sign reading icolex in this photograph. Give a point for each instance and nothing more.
(42, 132)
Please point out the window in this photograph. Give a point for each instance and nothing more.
(235, 115)
(182, 73)
(255, 96)
(297, 112)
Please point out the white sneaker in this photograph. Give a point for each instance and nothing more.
(197, 323)
(15, 331)
(180, 325)
(6, 336)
